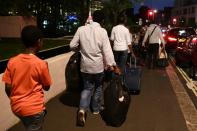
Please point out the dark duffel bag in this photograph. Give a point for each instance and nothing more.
(74, 84)
(73, 75)
(116, 102)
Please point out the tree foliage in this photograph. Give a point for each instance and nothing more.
(114, 7)
(50, 9)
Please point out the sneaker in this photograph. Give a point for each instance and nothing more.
(96, 112)
(102, 108)
(81, 118)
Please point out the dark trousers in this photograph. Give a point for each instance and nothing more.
(121, 59)
(152, 51)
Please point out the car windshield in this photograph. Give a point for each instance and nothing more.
(182, 32)
(190, 31)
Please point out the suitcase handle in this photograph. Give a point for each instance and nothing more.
(135, 61)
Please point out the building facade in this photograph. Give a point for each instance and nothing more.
(11, 26)
(185, 12)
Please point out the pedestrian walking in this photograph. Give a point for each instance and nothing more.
(25, 78)
(96, 53)
(142, 50)
(135, 43)
(153, 36)
(121, 38)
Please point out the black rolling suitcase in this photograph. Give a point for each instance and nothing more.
(132, 78)
(116, 102)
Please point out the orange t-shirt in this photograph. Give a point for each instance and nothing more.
(27, 75)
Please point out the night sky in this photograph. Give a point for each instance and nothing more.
(155, 4)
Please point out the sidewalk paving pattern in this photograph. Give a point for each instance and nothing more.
(155, 109)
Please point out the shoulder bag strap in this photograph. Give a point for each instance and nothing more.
(152, 31)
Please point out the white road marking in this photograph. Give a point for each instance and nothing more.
(192, 85)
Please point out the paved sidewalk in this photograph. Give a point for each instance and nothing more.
(155, 109)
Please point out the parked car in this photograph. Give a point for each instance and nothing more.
(176, 37)
(186, 54)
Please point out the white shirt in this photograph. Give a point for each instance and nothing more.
(95, 48)
(121, 37)
(155, 37)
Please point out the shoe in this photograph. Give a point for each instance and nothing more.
(102, 108)
(81, 118)
(96, 112)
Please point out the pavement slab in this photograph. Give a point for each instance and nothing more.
(156, 108)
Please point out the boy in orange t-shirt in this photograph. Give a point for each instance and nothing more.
(25, 78)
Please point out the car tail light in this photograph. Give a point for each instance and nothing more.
(194, 40)
(172, 39)
(164, 35)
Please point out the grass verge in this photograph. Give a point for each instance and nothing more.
(11, 47)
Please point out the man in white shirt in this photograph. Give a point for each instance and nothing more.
(155, 35)
(121, 38)
(96, 53)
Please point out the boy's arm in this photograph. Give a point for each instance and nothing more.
(45, 77)
(8, 89)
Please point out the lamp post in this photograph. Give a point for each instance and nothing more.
(152, 14)
(174, 21)
(89, 19)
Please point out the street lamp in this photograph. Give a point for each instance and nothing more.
(174, 21)
(154, 15)
(150, 14)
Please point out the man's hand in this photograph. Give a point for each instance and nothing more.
(116, 70)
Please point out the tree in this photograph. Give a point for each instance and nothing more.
(81, 7)
(114, 7)
(50, 9)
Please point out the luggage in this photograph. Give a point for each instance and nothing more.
(72, 73)
(163, 58)
(116, 102)
(132, 78)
